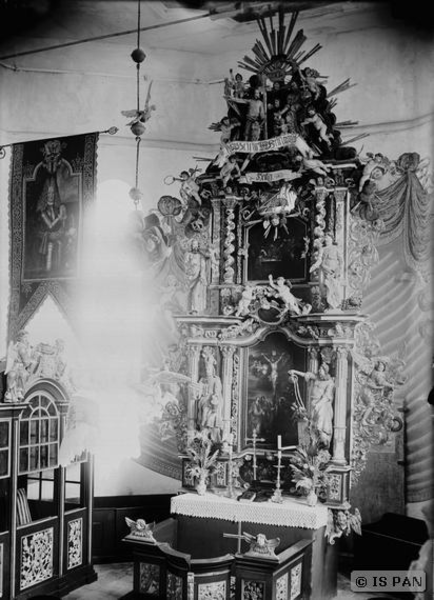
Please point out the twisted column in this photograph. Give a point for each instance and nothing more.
(228, 244)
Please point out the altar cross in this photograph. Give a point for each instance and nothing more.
(237, 536)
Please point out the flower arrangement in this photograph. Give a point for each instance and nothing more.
(202, 458)
(309, 464)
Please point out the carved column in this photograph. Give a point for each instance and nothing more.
(340, 408)
(216, 209)
(342, 233)
(321, 194)
(193, 369)
(229, 247)
(227, 372)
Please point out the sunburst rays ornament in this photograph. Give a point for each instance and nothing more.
(277, 55)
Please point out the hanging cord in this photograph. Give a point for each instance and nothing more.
(138, 23)
(138, 64)
(138, 140)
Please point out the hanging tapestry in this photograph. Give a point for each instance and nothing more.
(52, 187)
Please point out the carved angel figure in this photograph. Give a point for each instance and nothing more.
(141, 115)
(141, 529)
(225, 127)
(247, 297)
(291, 304)
(378, 377)
(342, 522)
(260, 546)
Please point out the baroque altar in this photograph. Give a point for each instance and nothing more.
(271, 381)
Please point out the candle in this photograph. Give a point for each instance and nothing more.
(279, 442)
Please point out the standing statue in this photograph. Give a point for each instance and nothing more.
(19, 367)
(210, 404)
(255, 112)
(196, 269)
(329, 265)
(321, 397)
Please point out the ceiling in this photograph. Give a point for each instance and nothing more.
(199, 26)
(206, 27)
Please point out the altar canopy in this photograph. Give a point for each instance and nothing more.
(51, 188)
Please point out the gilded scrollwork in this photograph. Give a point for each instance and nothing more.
(362, 256)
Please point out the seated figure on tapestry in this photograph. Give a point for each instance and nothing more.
(321, 397)
(55, 237)
(210, 403)
(20, 364)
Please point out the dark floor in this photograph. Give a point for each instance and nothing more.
(115, 580)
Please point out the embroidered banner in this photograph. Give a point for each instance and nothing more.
(52, 185)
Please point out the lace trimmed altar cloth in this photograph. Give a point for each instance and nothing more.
(291, 513)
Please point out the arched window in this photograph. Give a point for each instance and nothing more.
(39, 434)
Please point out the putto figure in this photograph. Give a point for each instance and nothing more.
(261, 546)
(141, 529)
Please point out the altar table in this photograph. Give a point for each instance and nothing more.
(202, 521)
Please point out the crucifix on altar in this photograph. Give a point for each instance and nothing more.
(237, 536)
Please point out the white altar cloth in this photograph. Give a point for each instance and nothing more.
(291, 513)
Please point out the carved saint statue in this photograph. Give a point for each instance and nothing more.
(210, 404)
(321, 396)
(197, 272)
(328, 264)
